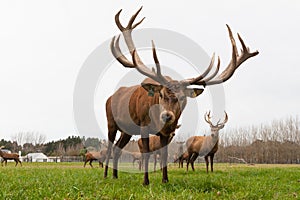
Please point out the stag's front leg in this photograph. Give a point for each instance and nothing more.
(123, 140)
(111, 138)
(164, 157)
(212, 162)
(207, 163)
(146, 155)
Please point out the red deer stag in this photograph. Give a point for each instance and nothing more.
(9, 156)
(128, 109)
(92, 156)
(205, 146)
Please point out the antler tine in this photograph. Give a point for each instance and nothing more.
(157, 64)
(146, 71)
(225, 120)
(208, 69)
(130, 25)
(116, 51)
(213, 75)
(235, 62)
(136, 61)
(226, 117)
(207, 118)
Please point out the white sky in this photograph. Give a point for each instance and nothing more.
(43, 44)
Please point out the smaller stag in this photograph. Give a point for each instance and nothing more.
(92, 156)
(9, 156)
(181, 158)
(155, 146)
(205, 146)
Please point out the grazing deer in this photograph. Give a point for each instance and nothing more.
(92, 156)
(205, 146)
(128, 109)
(136, 156)
(181, 158)
(9, 156)
(155, 146)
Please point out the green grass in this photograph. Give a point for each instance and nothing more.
(72, 181)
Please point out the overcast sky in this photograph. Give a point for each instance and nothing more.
(43, 45)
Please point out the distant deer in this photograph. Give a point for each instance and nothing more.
(136, 156)
(205, 146)
(181, 158)
(93, 156)
(9, 156)
(155, 146)
(133, 111)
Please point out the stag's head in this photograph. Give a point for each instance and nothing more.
(215, 128)
(173, 94)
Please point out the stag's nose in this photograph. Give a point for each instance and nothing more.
(167, 116)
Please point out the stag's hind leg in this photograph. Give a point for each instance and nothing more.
(123, 140)
(86, 160)
(20, 162)
(91, 163)
(188, 161)
(193, 159)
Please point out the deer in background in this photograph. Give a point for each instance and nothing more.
(9, 156)
(128, 109)
(183, 157)
(205, 146)
(155, 146)
(93, 156)
(136, 156)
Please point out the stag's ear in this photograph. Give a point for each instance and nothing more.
(193, 92)
(151, 88)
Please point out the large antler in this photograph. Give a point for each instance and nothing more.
(235, 62)
(207, 118)
(136, 61)
(225, 120)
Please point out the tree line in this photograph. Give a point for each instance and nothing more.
(277, 142)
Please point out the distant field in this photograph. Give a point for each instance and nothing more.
(72, 181)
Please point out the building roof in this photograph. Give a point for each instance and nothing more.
(37, 156)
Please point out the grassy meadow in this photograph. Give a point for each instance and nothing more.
(72, 181)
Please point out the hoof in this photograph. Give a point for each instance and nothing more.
(146, 183)
(165, 180)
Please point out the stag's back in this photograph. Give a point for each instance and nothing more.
(194, 143)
